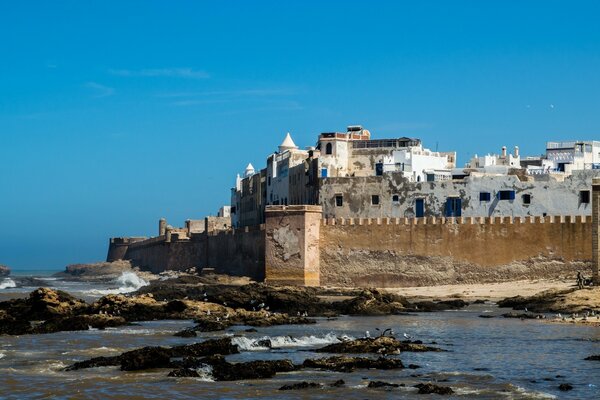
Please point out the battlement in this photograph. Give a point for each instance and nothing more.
(550, 219)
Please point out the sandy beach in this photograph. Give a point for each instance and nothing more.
(486, 291)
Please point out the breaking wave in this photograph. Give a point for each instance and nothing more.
(128, 282)
(7, 283)
(278, 342)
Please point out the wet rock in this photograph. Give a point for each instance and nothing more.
(43, 304)
(79, 323)
(413, 366)
(593, 358)
(262, 369)
(161, 357)
(430, 388)
(429, 306)
(186, 333)
(146, 358)
(565, 387)
(94, 363)
(262, 318)
(381, 384)
(349, 364)
(486, 316)
(523, 315)
(379, 345)
(184, 373)
(479, 301)
(301, 385)
(373, 302)
(338, 383)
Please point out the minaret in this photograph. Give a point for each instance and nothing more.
(249, 170)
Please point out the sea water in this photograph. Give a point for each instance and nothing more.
(487, 358)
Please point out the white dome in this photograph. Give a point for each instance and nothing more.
(287, 144)
(249, 170)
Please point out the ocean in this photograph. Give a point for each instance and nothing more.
(486, 358)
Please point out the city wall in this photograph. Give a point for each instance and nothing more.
(427, 251)
(297, 247)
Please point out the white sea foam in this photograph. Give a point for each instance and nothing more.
(128, 282)
(205, 373)
(2, 355)
(7, 283)
(253, 344)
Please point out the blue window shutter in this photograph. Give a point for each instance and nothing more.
(512, 195)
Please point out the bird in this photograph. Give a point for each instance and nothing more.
(407, 336)
(226, 316)
(261, 305)
(207, 312)
(526, 309)
(367, 334)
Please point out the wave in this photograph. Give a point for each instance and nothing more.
(7, 283)
(260, 344)
(128, 282)
(2, 355)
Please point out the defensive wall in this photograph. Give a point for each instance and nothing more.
(296, 246)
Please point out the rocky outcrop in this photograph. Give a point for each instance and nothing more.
(4, 271)
(349, 364)
(381, 384)
(260, 369)
(565, 301)
(79, 323)
(373, 302)
(593, 358)
(160, 357)
(379, 345)
(99, 272)
(302, 385)
(430, 388)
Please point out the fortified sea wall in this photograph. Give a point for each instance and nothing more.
(296, 246)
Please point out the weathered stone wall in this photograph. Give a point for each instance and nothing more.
(239, 252)
(548, 196)
(420, 251)
(292, 245)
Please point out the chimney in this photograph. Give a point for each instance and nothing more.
(516, 151)
(504, 151)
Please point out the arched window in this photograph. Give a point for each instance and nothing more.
(328, 148)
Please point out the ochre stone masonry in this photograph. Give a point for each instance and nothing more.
(292, 245)
(296, 246)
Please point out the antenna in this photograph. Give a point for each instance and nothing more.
(436, 146)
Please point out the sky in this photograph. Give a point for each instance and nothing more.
(114, 114)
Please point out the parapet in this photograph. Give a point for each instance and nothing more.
(507, 220)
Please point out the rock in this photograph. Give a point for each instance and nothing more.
(301, 385)
(523, 315)
(94, 362)
(430, 306)
(381, 384)
(79, 323)
(146, 358)
(160, 357)
(4, 271)
(373, 302)
(565, 387)
(186, 333)
(96, 272)
(338, 383)
(225, 371)
(262, 318)
(430, 388)
(184, 373)
(565, 301)
(593, 358)
(379, 345)
(349, 364)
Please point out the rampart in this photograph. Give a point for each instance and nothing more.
(403, 252)
(297, 247)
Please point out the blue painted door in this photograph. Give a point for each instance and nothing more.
(453, 207)
(419, 208)
(323, 172)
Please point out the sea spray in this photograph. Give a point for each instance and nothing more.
(128, 282)
(7, 283)
(257, 344)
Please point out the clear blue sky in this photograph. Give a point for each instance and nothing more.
(114, 114)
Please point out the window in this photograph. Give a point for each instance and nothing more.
(485, 196)
(375, 199)
(506, 195)
(526, 199)
(323, 172)
(395, 199)
(584, 197)
(430, 177)
(453, 207)
(379, 169)
(269, 181)
(339, 200)
(329, 148)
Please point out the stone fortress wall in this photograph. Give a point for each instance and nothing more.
(296, 246)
